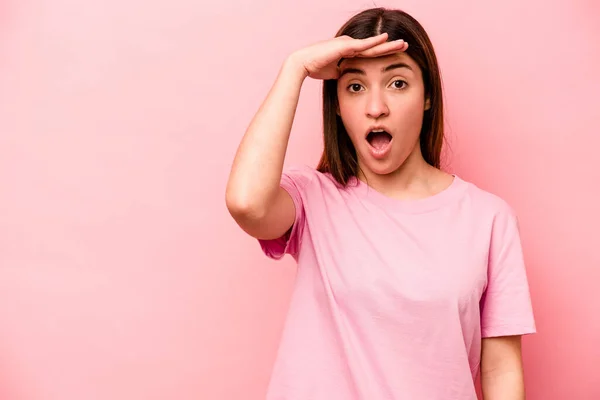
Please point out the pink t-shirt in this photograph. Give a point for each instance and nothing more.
(392, 297)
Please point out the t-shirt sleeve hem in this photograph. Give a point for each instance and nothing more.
(278, 248)
(507, 330)
(293, 181)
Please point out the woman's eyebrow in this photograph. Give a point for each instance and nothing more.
(359, 71)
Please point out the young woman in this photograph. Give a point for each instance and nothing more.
(410, 280)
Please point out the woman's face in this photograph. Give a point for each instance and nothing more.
(382, 94)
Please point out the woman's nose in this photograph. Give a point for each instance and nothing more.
(376, 105)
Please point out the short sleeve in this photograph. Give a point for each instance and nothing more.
(293, 181)
(506, 307)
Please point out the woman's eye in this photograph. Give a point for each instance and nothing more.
(399, 84)
(354, 87)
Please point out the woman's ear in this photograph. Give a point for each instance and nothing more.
(427, 103)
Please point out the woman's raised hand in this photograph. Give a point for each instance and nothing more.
(320, 60)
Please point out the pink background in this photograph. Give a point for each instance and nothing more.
(122, 275)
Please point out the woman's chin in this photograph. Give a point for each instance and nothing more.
(379, 167)
(385, 166)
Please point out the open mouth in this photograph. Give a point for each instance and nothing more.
(379, 139)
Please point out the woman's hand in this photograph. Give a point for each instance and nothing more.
(320, 60)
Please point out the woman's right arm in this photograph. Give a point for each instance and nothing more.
(254, 197)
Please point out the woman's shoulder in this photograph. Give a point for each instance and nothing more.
(488, 200)
(306, 175)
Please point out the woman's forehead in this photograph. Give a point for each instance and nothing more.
(379, 64)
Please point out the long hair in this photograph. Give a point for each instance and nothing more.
(339, 156)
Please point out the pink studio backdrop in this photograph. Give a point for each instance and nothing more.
(122, 275)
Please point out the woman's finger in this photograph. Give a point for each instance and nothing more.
(358, 45)
(388, 47)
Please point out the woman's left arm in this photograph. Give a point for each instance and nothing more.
(502, 368)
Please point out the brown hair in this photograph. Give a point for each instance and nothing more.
(339, 155)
